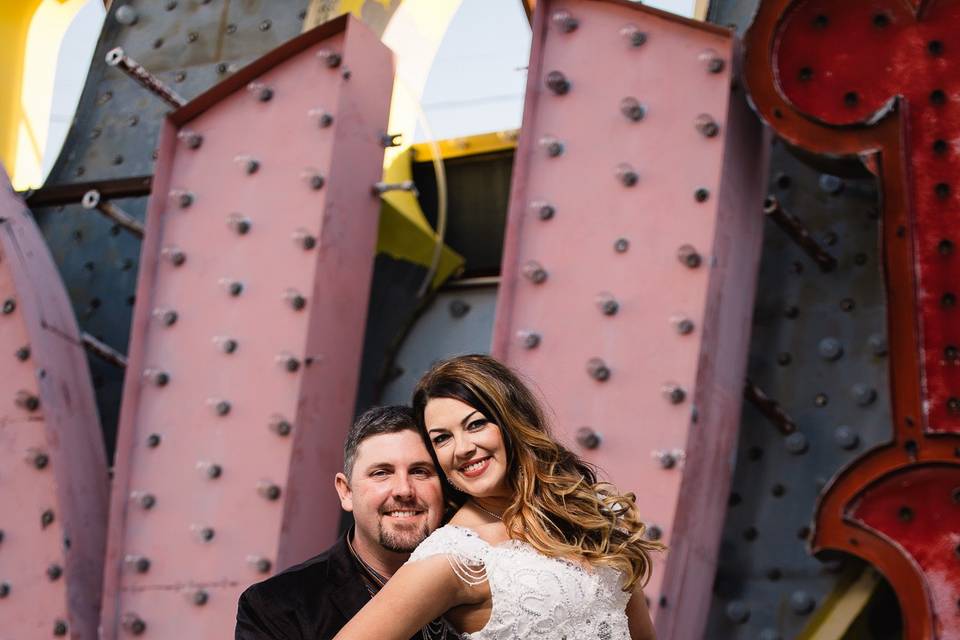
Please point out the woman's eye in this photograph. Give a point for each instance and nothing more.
(439, 439)
(477, 424)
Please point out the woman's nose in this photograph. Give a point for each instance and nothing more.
(465, 448)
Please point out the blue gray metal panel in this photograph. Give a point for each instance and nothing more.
(458, 321)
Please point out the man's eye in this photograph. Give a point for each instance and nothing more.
(378, 473)
(424, 473)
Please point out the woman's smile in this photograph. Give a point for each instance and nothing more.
(475, 468)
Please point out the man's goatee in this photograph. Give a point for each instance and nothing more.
(403, 542)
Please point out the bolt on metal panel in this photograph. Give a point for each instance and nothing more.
(53, 472)
(247, 333)
(189, 45)
(629, 266)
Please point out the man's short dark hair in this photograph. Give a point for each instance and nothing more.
(374, 422)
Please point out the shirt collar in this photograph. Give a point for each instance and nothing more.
(373, 580)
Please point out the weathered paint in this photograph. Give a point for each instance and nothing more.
(849, 72)
(864, 79)
(53, 472)
(601, 274)
(273, 211)
(918, 509)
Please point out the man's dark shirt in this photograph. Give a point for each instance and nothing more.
(310, 601)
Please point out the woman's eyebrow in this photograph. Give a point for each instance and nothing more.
(463, 422)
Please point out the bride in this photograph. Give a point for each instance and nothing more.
(537, 547)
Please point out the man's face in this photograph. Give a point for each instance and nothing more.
(393, 492)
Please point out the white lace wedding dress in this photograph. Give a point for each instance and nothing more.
(534, 596)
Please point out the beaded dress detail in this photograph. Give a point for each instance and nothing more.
(534, 596)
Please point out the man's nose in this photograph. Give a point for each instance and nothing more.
(402, 486)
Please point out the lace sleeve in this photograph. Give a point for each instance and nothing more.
(464, 549)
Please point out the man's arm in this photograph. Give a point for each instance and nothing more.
(256, 620)
(638, 617)
(418, 593)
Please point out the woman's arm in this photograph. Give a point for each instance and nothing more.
(418, 593)
(638, 617)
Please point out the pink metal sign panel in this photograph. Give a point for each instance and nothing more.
(247, 332)
(53, 472)
(630, 263)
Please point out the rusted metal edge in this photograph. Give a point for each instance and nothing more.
(779, 113)
(119, 503)
(673, 17)
(769, 407)
(59, 194)
(530, 7)
(103, 350)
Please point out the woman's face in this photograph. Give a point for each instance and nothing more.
(469, 447)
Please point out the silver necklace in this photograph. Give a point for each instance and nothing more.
(436, 630)
(486, 511)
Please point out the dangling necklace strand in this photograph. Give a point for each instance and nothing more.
(488, 512)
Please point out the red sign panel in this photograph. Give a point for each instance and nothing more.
(878, 79)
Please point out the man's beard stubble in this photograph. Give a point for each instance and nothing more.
(402, 541)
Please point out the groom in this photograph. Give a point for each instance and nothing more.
(390, 485)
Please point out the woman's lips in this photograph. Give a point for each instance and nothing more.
(475, 468)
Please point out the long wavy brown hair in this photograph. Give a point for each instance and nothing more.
(559, 507)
